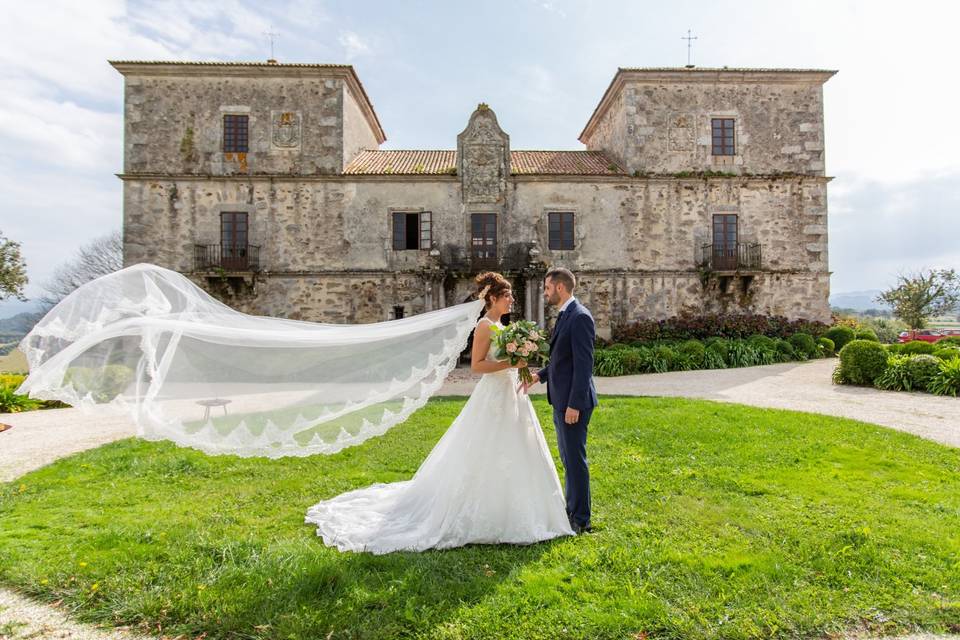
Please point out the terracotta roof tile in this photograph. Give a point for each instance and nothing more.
(441, 162)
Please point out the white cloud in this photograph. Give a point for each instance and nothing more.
(353, 45)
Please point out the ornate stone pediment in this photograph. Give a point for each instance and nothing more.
(483, 158)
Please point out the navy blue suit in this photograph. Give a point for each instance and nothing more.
(569, 380)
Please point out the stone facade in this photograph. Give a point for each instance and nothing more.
(644, 196)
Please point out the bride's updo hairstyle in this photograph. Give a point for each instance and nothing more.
(491, 285)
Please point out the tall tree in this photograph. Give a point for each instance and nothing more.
(924, 295)
(98, 257)
(13, 270)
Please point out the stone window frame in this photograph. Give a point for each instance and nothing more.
(235, 110)
(421, 244)
(558, 209)
(498, 221)
(573, 233)
(738, 137)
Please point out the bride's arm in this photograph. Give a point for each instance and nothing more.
(478, 355)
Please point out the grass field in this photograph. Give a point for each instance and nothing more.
(712, 521)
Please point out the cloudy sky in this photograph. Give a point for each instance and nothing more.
(891, 136)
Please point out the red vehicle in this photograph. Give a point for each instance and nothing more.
(927, 335)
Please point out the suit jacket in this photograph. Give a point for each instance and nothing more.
(569, 374)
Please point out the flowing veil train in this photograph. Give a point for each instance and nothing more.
(189, 369)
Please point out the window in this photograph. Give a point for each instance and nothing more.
(725, 241)
(412, 230)
(483, 237)
(398, 312)
(561, 231)
(235, 133)
(233, 239)
(723, 144)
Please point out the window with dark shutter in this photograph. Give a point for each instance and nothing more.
(560, 228)
(723, 142)
(235, 133)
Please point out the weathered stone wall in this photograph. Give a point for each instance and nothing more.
(174, 125)
(662, 123)
(357, 135)
(637, 241)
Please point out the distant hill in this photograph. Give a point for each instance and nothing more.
(858, 300)
(18, 325)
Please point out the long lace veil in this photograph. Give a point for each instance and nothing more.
(189, 369)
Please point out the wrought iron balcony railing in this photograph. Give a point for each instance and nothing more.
(229, 257)
(743, 255)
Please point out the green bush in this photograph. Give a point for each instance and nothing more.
(11, 402)
(827, 348)
(949, 341)
(619, 345)
(665, 358)
(866, 334)
(805, 344)
(894, 349)
(895, 376)
(947, 380)
(607, 362)
(922, 369)
(694, 351)
(762, 342)
(741, 354)
(713, 359)
(861, 362)
(947, 353)
(786, 351)
(915, 347)
(840, 335)
(632, 361)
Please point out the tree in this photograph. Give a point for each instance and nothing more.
(98, 257)
(13, 270)
(923, 295)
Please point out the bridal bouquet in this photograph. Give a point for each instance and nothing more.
(522, 340)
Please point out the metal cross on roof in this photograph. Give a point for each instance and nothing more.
(271, 34)
(688, 38)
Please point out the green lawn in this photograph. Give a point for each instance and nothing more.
(713, 521)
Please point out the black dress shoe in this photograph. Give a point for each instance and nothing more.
(582, 528)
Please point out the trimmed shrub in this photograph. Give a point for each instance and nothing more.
(805, 344)
(921, 370)
(666, 357)
(762, 342)
(786, 351)
(862, 362)
(894, 349)
(866, 334)
(841, 336)
(632, 360)
(694, 351)
(947, 353)
(915, 347)
(827, 348)
(948, 341)
(947, 380)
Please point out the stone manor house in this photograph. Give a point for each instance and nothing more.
(700, 190)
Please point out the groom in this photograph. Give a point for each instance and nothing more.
(570, 390)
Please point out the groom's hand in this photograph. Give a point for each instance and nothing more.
(572, 416)
(523, 387)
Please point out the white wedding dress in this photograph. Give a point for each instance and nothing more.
(490, 479)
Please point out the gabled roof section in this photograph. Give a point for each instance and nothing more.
(258, 70)
(444, 162)
(704, 75)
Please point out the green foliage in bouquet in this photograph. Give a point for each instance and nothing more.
(522, 340)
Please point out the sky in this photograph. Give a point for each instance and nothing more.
(542, 65)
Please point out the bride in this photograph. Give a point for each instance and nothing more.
(490, 478)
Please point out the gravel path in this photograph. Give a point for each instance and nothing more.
(40, 437)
